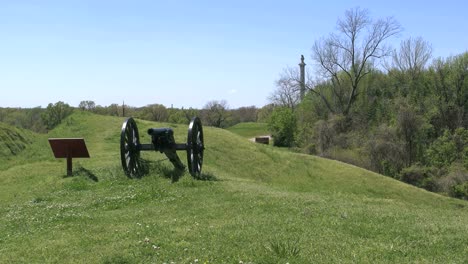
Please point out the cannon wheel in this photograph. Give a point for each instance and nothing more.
(195, 147)
(129, 148)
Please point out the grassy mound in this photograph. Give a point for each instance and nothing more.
(249, 129)
(13, 140)
(256, 204)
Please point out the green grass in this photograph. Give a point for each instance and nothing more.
(250, 129)
(258, 205)
(13, 140)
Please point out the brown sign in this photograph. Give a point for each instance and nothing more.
(69, 148)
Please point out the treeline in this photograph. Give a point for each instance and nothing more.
(37, 119)
(214, 113)
(407, 120)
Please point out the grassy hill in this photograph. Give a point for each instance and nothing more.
(250, 129)
(256, 205)
(13, 140)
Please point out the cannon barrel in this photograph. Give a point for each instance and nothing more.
(164, 131)
(164, 142)
(162, 137)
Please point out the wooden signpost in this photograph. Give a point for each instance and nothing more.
(69, 148)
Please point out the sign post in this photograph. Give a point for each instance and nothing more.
(69, 148)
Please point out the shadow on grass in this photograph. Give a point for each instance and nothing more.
(143, 169)
(81, 171)
(175, 174)
(157, 167)
(207, 177)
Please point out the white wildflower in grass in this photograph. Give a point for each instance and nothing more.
(156, 247)
(196, 261)
(147, 240)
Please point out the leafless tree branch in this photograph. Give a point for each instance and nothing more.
(349, 54)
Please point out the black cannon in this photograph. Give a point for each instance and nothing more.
(162, 140)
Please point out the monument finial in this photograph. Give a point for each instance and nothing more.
(302, 58)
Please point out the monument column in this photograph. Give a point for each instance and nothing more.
(302, 77)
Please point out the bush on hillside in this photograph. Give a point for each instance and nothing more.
(386, 151)
(282, 125)
(324, 136)
(457, 175)
(460, 191)
(448, 148)
(419, 176)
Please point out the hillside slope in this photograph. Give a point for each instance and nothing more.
(256, 204)
(13, 140)
(250, 129)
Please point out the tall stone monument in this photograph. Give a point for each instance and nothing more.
(302, 77)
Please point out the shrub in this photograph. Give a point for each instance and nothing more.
(461, 191)
(457, 175)
(448, 148)
(282, 125)
(339, 123)
(418, 175)
(324, 135)
(465, 157)
(310, 149)
(386, 152)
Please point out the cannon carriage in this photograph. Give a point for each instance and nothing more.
(162, 140)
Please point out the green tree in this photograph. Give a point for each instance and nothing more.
(282, 125)
(449, 81)
(190, 113)
(87, 105)
(409, 125)
(448, 148)
(154, 112)
(55, 113)
(264, 113)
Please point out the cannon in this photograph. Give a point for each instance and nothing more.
(162, 140)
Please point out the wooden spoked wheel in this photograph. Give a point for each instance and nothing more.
(195, 147)
(130, 148)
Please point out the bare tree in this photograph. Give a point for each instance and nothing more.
(345, 58)
(215, 113)
(412, 56)
(287, 91)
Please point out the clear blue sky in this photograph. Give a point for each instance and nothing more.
(183, 53)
